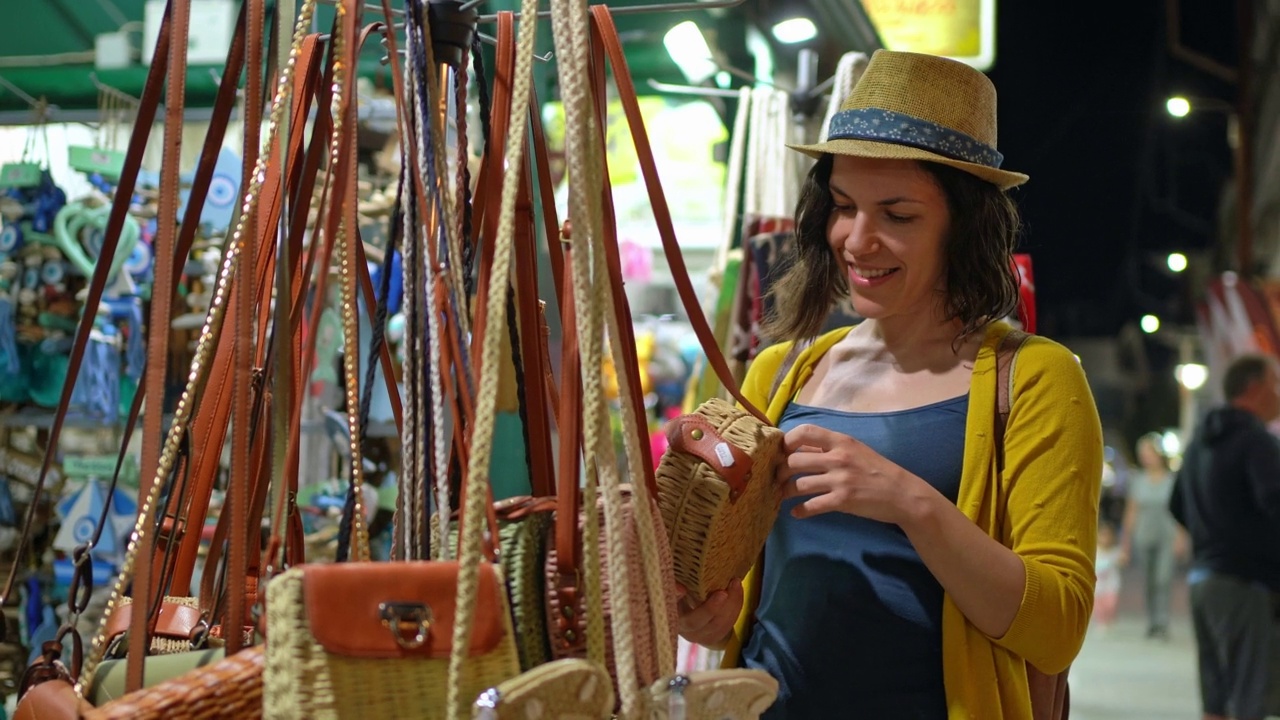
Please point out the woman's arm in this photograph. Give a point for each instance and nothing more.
(984, 578)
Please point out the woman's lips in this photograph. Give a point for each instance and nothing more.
(870, 277)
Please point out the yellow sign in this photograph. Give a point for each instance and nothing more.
(960, 29)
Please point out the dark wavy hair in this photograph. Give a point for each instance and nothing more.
(980, 284)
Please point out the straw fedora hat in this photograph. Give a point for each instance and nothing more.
(909, 106)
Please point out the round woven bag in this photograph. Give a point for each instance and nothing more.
(717, 493)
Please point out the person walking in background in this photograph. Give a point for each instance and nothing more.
(1106, 591)
(1150, 534)
(1227, 495)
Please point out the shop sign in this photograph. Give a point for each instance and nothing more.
(960, 29)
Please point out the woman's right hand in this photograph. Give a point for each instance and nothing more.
(710, 623)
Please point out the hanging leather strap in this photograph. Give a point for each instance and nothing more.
(243, 585)
(629, 363)
(662, 212)
(148, 105)
(213, 425)
(158, 328)
(171, 527)
(541, 459)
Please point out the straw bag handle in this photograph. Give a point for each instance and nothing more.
(204, 348)
(593, 295)
(662, 216)
(475, 499)
(657, 582)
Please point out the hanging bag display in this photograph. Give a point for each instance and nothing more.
(402, 639)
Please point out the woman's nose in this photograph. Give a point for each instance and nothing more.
(858, 236)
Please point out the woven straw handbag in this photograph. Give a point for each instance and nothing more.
(559, 690)
(716, 484)
(523, 526)
(356, 640)
(717, 493)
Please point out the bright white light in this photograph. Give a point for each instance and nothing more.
(1192, 375)
(689, 51)
(1178, 106)
(1150, 324)
(795, 30)
(1171, 444)
(1177, 262)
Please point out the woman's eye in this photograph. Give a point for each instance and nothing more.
(893, 217)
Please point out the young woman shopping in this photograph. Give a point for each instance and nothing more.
(919, 568)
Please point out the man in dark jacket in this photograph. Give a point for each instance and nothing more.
(1227, 496)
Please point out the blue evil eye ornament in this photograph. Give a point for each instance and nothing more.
(10, 239)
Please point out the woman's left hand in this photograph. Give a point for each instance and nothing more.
(841, 474)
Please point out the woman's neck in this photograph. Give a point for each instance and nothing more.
(916, 335)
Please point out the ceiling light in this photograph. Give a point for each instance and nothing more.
(1150, 324)
(1177, 262)
(1178, 106)
(690, 52)
(795, 30)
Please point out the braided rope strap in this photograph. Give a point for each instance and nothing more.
(658, 582)
(570, 35)
(592, 295)
(481, 446)
(204, 348)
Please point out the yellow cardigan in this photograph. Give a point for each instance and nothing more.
(1044, 507)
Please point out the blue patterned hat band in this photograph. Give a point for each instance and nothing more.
(897, 128)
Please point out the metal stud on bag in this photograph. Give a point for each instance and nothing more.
(487, 704)
(676, 703)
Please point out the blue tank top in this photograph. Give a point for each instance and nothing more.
(850, 619)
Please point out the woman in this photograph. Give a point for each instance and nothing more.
(906, 576)
(1150, 533)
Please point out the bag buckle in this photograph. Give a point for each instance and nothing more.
(409, 623)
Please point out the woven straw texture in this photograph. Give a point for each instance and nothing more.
(230, 689)
(304, 682)
(649, 667)
(713, 540)
(560, 690)
(524, 547)
(161, 645)
(931, 88)
(717, 695)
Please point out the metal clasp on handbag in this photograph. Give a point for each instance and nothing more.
(409, 623)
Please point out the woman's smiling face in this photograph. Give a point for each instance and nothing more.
(888, 227)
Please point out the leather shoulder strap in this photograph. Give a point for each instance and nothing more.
(1006, 354)
(662, 212)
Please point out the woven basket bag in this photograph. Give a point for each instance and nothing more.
(523, 526)
(717, 494)
(569, 625)
(360, 640)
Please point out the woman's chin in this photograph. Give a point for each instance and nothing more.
(866, 308)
